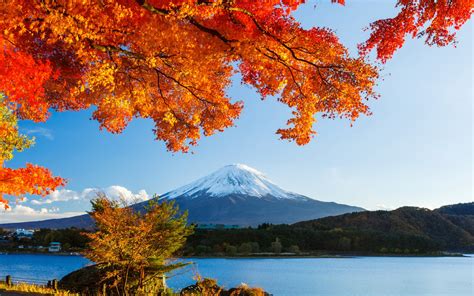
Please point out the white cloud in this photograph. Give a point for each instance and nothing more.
(115, 192)
(21, 213)
(382, 207)
(41, 131)
(119, 192)
(58, 195)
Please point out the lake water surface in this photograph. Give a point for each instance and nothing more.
(364, 276)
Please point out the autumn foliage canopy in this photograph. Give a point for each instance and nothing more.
(172, 60)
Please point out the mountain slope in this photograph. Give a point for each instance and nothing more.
(242, 210)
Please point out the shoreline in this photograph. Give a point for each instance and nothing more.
(271, 256)
(327, 256)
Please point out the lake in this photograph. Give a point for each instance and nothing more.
(364, 276)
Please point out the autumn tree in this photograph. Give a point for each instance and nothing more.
(172, 60)
(30, 179)
(134, 248)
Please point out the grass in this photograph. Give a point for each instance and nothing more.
(204, 287)
(33, 289)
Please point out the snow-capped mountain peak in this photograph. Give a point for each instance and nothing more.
(232, 179)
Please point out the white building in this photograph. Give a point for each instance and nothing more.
(54, 247)
(20, 232)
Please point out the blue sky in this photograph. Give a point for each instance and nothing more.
(416, 149)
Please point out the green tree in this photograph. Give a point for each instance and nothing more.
(135, 247)
(201, 249)
(11, 139)
(255, 247)
(217, 248)
(245, 248)
(294, 249)
(344, 244)
(230, 250)
(276, 246)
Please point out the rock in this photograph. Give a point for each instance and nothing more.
(209, 287)
(85, 281)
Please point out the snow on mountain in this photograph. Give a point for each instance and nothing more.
(233, 179)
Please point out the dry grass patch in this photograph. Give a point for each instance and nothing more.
(36, 289)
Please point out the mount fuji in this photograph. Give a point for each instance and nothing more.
(241, 195)
(235, 194)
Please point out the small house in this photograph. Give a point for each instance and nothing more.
(54, 247)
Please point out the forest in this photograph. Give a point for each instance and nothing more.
(407, 230)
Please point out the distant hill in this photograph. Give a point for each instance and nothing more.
(460, 214)
(466, 209)
(448, 227)
(83, 221)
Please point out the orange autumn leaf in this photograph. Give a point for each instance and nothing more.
(22, 82)
(28, 180)
(435, 21)
(172, 61)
